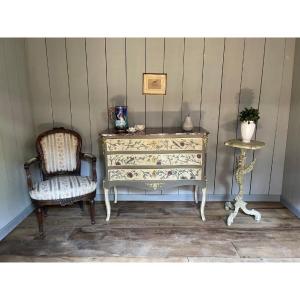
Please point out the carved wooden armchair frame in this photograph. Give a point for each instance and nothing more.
(41, 205)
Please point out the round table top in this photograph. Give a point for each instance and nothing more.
(253, 145)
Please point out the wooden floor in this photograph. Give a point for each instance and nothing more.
(157, 231)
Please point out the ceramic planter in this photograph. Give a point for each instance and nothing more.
(247, 131)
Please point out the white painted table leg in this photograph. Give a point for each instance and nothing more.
(116, 194)
(251, 212)
(196, 193)
(241, 170)
(107, 204)
(228, 205)
(240, 204)
(203, 203)
(232, 215)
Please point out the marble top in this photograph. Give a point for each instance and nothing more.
(155, 131)
(253, 145)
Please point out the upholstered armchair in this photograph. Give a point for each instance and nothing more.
(59, 157)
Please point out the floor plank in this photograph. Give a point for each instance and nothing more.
(157, 232)
(12, 258)
(276, 248)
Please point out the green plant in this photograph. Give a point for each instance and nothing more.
(249, 114)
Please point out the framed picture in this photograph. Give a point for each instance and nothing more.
(154, 83)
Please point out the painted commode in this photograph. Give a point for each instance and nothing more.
(155, 160)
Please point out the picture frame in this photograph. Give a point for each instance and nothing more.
(154, 84)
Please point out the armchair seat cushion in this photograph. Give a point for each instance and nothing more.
(62, 187)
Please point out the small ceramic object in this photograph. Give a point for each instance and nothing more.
(139, 127)
(131, 130)
(188, 123)
(247, 131)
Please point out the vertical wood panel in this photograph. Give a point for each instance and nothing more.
(39, 85)
(193, 64)
(271, 83)
(282, 120)
(116, 72)
(135, 62)
(58, 77)
(174, 57)
(76, 60)
(250, 92)
(116, 77)
(96, 66)
(212, 77)
(232, 70)
(174, 52)
(97, 88)
(192, 84)
(155, 55)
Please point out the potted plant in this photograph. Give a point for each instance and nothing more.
(248, 118)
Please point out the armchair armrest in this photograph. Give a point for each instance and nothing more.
(27, 165)
(92, 158)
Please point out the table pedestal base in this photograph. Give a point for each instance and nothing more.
(241, 169)
(236, 206)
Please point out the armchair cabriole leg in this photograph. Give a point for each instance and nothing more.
(45, 211)
(81, 205)
(92, 211)
(39, 214)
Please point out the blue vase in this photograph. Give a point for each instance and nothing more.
(121, 118)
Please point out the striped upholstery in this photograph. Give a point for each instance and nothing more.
(62, 187)
(59, 150)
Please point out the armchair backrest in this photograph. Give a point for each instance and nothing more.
(59, 151)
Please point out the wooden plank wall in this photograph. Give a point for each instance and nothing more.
(75, 81)
(16, 129)
(291, 178)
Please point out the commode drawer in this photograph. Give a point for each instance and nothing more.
(158, 144)
(155, 174)
(170, 159)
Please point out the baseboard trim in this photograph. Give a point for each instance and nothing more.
(291, 207)
(187, 197)
(4, 231)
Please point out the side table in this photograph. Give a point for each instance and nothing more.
(240, 170)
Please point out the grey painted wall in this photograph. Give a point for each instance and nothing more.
(74, 81)
(16, 133)
(291, 181)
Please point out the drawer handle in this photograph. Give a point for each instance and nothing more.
(155, 186)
